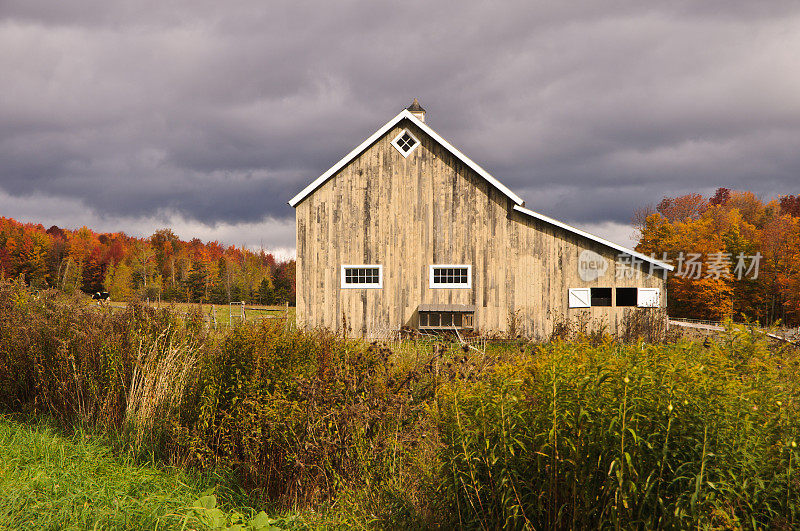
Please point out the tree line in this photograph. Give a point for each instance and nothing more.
(161, 266)
(755, 244)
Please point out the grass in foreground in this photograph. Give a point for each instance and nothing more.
(583, 434)
(49, 481)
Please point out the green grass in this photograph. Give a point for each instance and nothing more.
(671, 436)
(225, 314)
(50, 481)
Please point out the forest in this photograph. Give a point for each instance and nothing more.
(717, 230)
(159, 267)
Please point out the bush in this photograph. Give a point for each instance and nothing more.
(295, 416)
(298, 415)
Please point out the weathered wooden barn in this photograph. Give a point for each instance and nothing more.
(406, 231)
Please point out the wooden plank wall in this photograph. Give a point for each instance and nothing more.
(430, 208)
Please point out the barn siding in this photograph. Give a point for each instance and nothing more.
(429, 208)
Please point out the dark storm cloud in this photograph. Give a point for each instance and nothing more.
(219, 112)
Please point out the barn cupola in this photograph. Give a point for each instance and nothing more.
(416, 109)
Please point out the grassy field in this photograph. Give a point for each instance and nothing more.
(224, 313)
(50, 481)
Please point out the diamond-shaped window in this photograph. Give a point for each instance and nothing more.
(405, 143)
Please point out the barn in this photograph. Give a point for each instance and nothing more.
(406, 231)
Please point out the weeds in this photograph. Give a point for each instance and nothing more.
(627, 436)
(646, 324)
(580, 434)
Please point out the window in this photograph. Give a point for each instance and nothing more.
(591, 297)
(579, 298)
(362, 276)
(451, 276)
(648, 298)
(601, 296)
(436, 319)
(626, 296)
(405, 143)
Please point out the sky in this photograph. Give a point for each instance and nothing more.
(208, 116)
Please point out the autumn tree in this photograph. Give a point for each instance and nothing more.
(682, 208)
(161, 265)
(790, 205)
(736, 226)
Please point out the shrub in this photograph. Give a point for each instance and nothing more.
(296, 416)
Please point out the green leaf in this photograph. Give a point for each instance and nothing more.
(206, 502)
(261, 521)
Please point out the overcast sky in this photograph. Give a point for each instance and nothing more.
(207, 116)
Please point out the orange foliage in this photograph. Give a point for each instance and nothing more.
(159, 266)
(733, 223)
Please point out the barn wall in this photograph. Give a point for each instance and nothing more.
(409, 213)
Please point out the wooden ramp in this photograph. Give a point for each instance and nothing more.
(698, 325)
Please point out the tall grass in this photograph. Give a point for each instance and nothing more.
(295, 416)
(65, 358)
(580, 434)
(161, 373)
(574, 436)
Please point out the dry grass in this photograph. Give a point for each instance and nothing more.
(161, 375)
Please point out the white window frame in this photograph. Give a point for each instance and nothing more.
(377, 285)
(439, 285)
(397, 146)
(579, 298)
(648, 298)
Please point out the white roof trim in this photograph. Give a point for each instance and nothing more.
(592, 237)
(382, 131)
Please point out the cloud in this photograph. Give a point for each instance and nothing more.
(218, 113)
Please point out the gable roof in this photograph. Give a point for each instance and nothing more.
(518, 202)
(319, 181)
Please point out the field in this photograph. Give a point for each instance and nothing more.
(220, 314)
(580, 433)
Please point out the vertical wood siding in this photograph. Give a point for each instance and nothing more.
(429, 208)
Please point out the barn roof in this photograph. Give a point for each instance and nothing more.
(598, 239)
(405, 114)
(518, 202)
